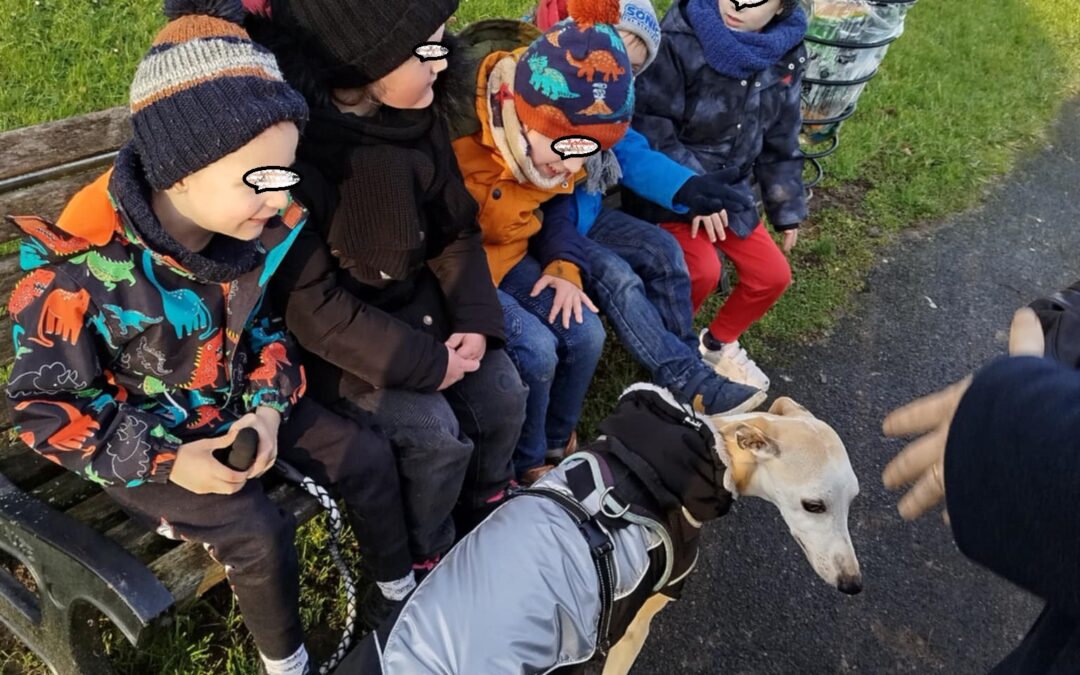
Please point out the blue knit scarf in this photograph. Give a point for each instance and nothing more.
(738, 54)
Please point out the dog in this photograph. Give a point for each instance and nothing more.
(572, 570)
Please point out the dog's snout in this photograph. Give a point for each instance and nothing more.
(851, 584)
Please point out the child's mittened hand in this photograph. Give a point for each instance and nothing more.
(791, 237)
(714, 224)
(456, 368)
(714, 192)
(197, 470)
(568, 299)
(468, 345)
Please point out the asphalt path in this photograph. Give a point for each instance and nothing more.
(936, 306)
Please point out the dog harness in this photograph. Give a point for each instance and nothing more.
(555, 575)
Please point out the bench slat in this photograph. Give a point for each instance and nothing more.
(51, 144)
(99, 512)
(46, 200)
(27, 469)
(65, 491)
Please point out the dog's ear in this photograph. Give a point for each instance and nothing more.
(752, 439)
(787, 407)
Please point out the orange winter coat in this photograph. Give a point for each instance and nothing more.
(509, 210)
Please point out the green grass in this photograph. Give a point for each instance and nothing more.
(961, 97)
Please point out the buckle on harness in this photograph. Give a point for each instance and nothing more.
(600, 544)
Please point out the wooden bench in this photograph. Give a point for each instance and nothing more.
(83, 553)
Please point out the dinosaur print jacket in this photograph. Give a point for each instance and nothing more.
(123, 353)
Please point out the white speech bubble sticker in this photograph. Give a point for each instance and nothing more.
(575, 146)
(267, 178)
(740, 6)
(431, 51)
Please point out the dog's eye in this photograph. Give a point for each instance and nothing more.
(814, 506)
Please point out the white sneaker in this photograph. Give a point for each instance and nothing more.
(733, 363)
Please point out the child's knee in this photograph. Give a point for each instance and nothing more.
(535, 353)
(776, 278)
(266, 552)
(588, 337)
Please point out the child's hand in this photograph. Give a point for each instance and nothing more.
(456, 368)
(197, 470)
(568, 299)
(266, 421)
(714, 226)
(791, 237)
(470, 346)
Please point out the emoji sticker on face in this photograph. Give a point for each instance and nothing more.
(575, 146)
(431, 51)
(267, 178)
(740, 6)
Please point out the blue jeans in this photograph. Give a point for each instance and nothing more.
(640, 282)
(556, 363)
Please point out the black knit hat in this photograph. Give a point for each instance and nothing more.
(363, 40)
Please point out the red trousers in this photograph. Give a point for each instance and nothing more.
(764, 275)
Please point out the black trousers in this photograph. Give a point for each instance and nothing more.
(253, 538)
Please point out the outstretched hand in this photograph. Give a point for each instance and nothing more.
(922, 462)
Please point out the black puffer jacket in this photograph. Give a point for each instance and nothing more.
(393, 263)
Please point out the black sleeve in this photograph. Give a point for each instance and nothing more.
(1012, 476)
(1060, 317)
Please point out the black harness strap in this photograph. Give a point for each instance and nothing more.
(602, 550)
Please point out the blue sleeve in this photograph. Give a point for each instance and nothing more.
(650, 174)
(558, 238)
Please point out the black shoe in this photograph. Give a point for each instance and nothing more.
(375, 608)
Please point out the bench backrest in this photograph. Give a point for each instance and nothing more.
(41, 168)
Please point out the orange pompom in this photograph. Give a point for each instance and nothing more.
(588, 12)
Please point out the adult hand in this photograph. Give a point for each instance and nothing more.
(922, 461)
(569, 299)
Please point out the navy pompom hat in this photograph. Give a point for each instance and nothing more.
(204, 90)
(576, 79)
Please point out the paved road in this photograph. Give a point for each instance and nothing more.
(936, 306)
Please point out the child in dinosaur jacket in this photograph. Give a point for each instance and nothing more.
(723, 98)
(575, 80)
(638, 275)
(143, 342)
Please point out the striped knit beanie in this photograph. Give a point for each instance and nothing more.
(576, 79)
(637, 17)
(204, 90)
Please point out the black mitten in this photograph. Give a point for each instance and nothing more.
(713, 193)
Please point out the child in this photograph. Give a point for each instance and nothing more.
(390, 296)
(575, 80)
(723, 95)
(638, 275)
(145, 343)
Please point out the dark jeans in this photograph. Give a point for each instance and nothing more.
(253, 538)
(451, 444)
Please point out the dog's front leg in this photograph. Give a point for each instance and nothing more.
(622, 656)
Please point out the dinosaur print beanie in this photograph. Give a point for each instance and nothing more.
(204, 90)
(576, 79)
